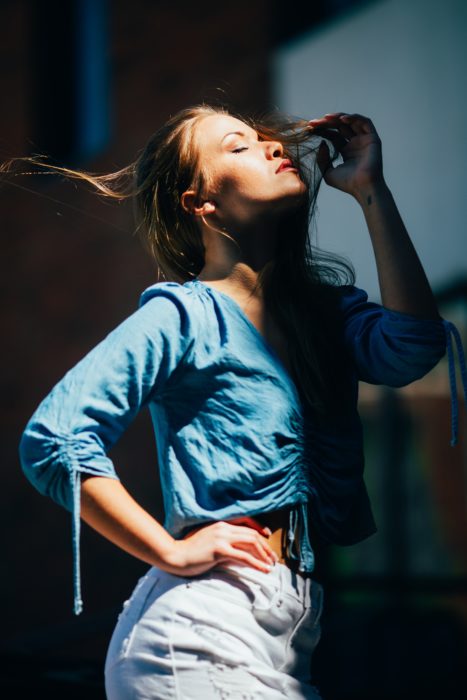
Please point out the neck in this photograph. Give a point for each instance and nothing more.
(235, 258)
(239, 277)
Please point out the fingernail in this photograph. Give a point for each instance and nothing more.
(268, 531)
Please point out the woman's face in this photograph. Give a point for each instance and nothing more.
(243, 181)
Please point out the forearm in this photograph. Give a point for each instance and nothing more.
(110, 510)
(403, 283)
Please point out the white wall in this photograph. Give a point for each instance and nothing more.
(402, 63)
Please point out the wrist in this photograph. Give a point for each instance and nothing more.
(173, 556)
(371, 191)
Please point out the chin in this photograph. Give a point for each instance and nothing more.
(296, 199)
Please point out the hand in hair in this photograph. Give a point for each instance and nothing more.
(357, 141)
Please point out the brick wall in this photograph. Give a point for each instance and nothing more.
(72, 270)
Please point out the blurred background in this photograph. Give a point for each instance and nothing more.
(87, 82)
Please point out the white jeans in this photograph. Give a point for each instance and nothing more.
(230, 633)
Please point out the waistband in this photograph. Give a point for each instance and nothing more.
(301, 586)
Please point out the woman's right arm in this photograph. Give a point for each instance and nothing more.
(63, 449)
(74, 427)
(110, 510)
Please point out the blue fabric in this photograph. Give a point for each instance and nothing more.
(232, 434)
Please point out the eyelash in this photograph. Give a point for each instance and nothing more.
(242, 148)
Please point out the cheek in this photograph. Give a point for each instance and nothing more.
(244, 181)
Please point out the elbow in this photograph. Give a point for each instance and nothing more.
(41, 463)
(422, 365)
(51, 461)
(401, 368)
(414, 368)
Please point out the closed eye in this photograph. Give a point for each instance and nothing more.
(242, 148)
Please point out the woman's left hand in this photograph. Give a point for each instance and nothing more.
(357, 141)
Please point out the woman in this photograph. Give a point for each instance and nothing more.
(248, 357)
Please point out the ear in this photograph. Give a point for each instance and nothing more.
(192, 204)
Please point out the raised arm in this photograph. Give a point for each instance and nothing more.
(405, 337)
(402, 280)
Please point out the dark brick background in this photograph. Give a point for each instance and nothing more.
(68, 278)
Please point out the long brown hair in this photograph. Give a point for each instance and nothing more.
(299, 286)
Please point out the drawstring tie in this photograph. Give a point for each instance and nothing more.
(298, 518)
(450, 328)
(76, 526)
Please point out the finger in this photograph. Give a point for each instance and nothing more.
(323, 125)
(265, 550)
(270, 553)
(258, 551)
(325, 122)
(333, 114)
(357, 126)
(332, 117)
(326, 117)
(244, 556)
(359, 123)
(252, 539)
(347, 124)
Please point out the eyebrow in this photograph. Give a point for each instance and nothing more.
(239, 133)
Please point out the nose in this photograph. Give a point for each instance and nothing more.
(274, 149)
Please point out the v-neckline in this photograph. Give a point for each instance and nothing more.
(269, 349)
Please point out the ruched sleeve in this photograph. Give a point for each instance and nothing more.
(90, 407)
(394, 348)
(389, 347)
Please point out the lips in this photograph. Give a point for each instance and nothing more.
(285, 164)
